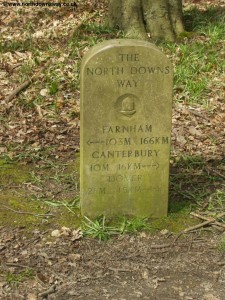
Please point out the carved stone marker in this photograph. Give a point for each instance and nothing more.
(126, 104)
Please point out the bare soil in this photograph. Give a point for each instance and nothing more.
(144, 266)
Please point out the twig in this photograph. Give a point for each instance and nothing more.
(198, 114)
(19, 89)
(212, 220)
(118, 270)
(214, 171)
(51, 290)
(18, 266)
(24, 85)
(197, 226)
(160, 251)
(218, 228)
(160, 246)
(177, 237)
(27, 213)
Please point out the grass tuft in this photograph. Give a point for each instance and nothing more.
(16, 278)
(98, 229)
(221, 245)
(103, 230)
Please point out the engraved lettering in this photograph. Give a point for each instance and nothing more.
(127, 83)
(165, 140)
(157, 140)
(129, 57)
(101, 190)
(167, 70)
(119, 141)
(128, 189)
(154, 140)
(121, 178)
(156, 152)
(127, 129)
(127, 141)
(93, 191)
(142, 70)
(133, 70)
(160, 70)
(99, 167)
(105, 71)
(124, 153)
(129, 166)
(149, 70)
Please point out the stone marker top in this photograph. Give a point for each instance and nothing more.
(138, 71)
(118, 43)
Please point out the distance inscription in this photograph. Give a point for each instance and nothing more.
(123, 141)
(123, 167)
(121, 189)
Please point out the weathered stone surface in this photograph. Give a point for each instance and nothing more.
(126, 96)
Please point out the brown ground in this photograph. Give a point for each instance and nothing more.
(128, 267)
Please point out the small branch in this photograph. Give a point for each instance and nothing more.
(18, 266)
(198, 114)
(51, 290)
(19, 89)
(177, 237)
(197, 226)
(118, 270)
(218, 228)
(160, 246)
(24, 85)
(207, 222)
(27, 213)
(212, 220)
(215, 172)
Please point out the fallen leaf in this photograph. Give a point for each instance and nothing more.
(56, 233)
(44, 92)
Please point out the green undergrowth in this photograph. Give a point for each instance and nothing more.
(47, 195)
(221, 245)
(197, 55)
(177, 220)
(14, 279)
(25, 203)
(26, 198)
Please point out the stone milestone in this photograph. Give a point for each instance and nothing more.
(126, 105)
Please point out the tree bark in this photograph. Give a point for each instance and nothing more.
(141, 19)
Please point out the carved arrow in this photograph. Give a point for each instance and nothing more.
(89, 142)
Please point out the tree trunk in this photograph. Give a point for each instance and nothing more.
(157, 19)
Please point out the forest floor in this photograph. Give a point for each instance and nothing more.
(43, 252)
(142, 266)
